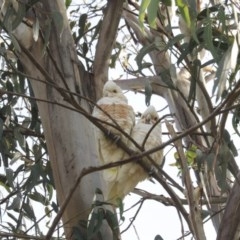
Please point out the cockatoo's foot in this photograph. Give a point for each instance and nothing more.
(151, 171)
(116, 138)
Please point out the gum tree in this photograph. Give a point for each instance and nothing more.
(53, 71)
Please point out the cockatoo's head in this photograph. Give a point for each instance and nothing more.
(111, 89)
(150, 116)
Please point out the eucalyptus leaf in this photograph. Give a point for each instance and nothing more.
(38, 197)
(1, 128)
(19, 137)
(152, 11)
(113, 223)
(20, 14)
(95, 222)
(10, 177)
(16, 203)
(82, 23)
(68, 3)
(195, 71)
(148, 92)
(143, 7)
(184, 11)
(226, 66)
(143, 52)
(158, 237)
(29, 211)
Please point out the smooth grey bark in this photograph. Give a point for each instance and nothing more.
(69, 135)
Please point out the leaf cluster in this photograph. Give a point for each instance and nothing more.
(26, 178)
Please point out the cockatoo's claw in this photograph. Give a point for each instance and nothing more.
(152, 170)
(116, 138)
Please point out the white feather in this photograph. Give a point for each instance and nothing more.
(114, 103)
(129, 175)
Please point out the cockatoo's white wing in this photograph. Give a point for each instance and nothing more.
(113, 104)
(131, 174)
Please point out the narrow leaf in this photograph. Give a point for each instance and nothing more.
(148, 93)
(152, 11)
(143, 8)
(184, 11)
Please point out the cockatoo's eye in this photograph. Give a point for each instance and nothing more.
(115, 91)
(155, 119)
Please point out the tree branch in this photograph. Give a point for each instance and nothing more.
(105, 44)
(231, 218)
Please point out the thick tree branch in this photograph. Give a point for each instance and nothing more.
(229, 227)
(106, 40)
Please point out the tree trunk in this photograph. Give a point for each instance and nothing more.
(229, 228)
(69, 135)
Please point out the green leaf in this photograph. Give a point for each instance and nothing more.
(186, 48)
(38, 197)
(195, 71)
(16, 203)
(184, 11)
(176, 39)
(13, 217)
(37, 152)
(55, 207)
(152, 11)
(1, 128)
(208, 38)
(68, 3)
(82, 23)
(230, 143)
(96, 31)
(148, 92)
(113, 223)
(84, 48)
(95, 222)
(236, 120)
(121, 208)
(33, 179)
(143, 7)
(29, 212)
(10, 177)
(9, 87)
(19, 137)
(143, 52)
(158, 237)
(20, 14)
(115, 56)
(34, 114)
(226, 66)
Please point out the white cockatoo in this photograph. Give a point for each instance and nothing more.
(115, 104)
(129, 175)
